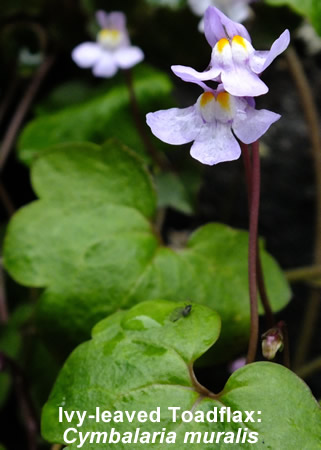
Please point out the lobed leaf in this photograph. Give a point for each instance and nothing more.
(142, 359)
(89, 243)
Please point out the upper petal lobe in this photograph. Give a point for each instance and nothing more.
(218, 26)
(261, 60)
(175, 126)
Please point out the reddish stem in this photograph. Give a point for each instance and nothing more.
(248, 171)
(22, 109)
(6, 200)
(253, 234)
(156, 157)
(260, 276)
(286, 349)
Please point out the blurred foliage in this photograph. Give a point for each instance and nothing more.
(99, 117)
(41, 369)
(11, 344)
(310, 9)
(107, 372)
(10, 7)
(173, 193)
(67, 94)
(167, 3)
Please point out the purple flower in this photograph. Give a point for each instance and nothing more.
(237, 10)
(112, 49)
(236, 364)
(212, 123)
(234, 62)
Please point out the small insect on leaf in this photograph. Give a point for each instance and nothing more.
(180, 312)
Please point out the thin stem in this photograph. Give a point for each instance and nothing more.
(253, 234)
(159, 221)
(312, 121)
(310, 368)
(308, 273)
(286, 348)
(23, 397)
(6, 200)
(157, 159)
(247, 170)
(270, 320)
(10, 92)
(202, 390)
(310, 321)
(260, 276)
(22, 110)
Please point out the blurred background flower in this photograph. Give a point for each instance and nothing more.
(237, 10)
(111, 51)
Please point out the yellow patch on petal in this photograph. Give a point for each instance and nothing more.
(206, 98)
(221, 44)
(224, 100)
(239, 40)
(109, 34)
(109, 38)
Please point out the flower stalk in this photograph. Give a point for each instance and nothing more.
(155, 156)
(252, 264)
(312, 120)
(270, 321)
(223, 117)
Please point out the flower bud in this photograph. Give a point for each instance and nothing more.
(272, 342)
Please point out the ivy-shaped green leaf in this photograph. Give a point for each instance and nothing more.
(89, 243)
(142, 359)
(105, 116)
(311, 9)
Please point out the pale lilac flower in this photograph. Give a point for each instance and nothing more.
(234, 62)
(237, 10)
(236, 364)
(112, 50)
(212, 123)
